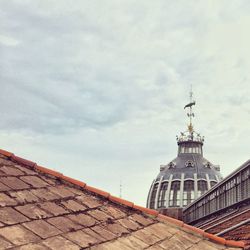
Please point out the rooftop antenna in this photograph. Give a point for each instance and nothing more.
(120, 188)
(190, 113)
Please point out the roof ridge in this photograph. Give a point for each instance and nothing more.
(148, 211)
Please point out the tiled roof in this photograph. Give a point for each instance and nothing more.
(43, 209)
(233, 224)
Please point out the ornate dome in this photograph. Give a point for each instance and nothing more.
(186, 177)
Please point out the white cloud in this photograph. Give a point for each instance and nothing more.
(97, 89)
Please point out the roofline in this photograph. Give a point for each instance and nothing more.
(244, 165)
(123, 202)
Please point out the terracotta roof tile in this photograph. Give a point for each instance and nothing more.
(90, 202)
(14, 183)
(160, 230)
(61, 191)
(18, 235)
(73, 206)
(106, 234)
(4, 244)
(24, 196)
(10, 216)
(45, 194)
(83, 219)
(100, 215)
(129, 224)
(142, 220)
(81, 238)
(115, 245)
(116, 228)
(31, 247)
(59, 242)
(146, 236)
(33, 211)
(34, 181)
(4, 187)
(6, 200)
(113, 212)
(94, 234)
(53, 208)
(43, 209)
(42, 228)
(8, 171)
(155, 247)
(64, 224)
(133, 242)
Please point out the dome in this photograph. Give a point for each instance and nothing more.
(187, 176)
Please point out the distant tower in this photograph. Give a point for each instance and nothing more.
(186, 177)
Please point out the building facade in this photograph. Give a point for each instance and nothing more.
(187, 176)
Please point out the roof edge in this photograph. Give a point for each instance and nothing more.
(151, 212)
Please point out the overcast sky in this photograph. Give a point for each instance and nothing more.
(96, 89)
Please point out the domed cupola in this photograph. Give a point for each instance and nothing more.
(186, 177)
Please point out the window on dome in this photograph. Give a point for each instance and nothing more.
(174, 199)
(152, 199)
(163, 195)
(202, 187)
(188, 149)
(188, 192)
(212, 183)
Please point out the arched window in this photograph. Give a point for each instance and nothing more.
(202, 187)
(188, 192)
(212, 183)
(174, 199)
(163, 195)
(152, 199)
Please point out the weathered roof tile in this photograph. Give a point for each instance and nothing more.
(144, 221)
(64, 224)
(81, 238)
(14, 183)
(59, 242)
(31, 246)
(10, 216)
(160, 230)
(73, 206)
(61, 191)
(5, 200)
(34, 181)
(104, 233)
(45, 194)
(11, 171)
(43, 209)
(82, 219)
(33, 211)
(146, 236)
(23, 196)
(4, 244)
(129, 224)
(42, 228)
(99, 215)
(116, 228)
(18, 235)
(53, 208)
(90, 202)
(4, 187)
(112, 211)
(133, 242)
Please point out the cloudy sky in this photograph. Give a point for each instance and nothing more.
(96, 89)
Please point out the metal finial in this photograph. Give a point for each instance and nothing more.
(190, 114)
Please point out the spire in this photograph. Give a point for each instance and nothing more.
(190, 113)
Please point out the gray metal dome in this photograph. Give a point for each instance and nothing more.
(186, 177)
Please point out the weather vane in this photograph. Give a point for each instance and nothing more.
(190, 114)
